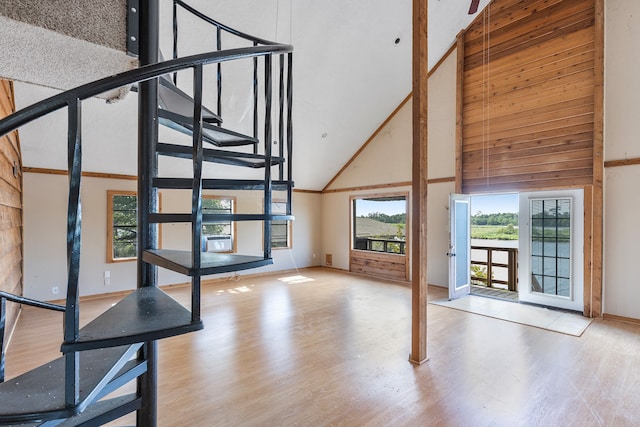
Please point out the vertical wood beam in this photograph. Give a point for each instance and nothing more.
(588, 249)
(419, 186)
(598, 162)
(459, 108)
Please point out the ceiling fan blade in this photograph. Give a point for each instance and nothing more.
(474, 6)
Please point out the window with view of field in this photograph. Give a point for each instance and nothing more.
(495, 217)
(380, 224)
(494, 240)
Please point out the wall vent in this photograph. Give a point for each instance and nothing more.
(328, 259)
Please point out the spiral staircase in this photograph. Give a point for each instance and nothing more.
(120, 345)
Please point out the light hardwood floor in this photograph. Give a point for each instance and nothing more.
(323, 347)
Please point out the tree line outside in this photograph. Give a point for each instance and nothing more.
(494, 226)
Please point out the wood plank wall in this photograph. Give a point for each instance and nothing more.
(389, 266)
(10, 209)
(527, 113)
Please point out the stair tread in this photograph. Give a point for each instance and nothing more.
(215, 135)
(220, 184)
(146, 314)
(104, 411)
(211, 263)
(218, 156)
(171, 98)
(40, 393)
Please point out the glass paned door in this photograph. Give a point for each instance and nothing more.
(551, 246)
(459, 245)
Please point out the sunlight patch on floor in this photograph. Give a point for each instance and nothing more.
(292, 280)
(237, 290)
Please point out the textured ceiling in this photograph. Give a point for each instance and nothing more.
(349, 75)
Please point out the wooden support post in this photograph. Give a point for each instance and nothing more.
(419, 186)
(513, 271)
(598, 164)
(489, 268)
(459, 108)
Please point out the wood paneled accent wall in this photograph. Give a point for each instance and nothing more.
(389, 266)
(10, 208)
(526, 111)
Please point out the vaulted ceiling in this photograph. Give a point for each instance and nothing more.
(352, 68)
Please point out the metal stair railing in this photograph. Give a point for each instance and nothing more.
(285, 90)
(72, 101)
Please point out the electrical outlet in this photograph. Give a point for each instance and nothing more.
(55, 290)
(107, 278)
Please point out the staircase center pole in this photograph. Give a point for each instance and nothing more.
(147, 196)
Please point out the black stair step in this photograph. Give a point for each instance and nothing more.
(147, 314)
(104, 411)
(211, 263)
(226, 157)
(40, 393)
(220, 184)
(171, 98)
(163, 218)
(212, 134)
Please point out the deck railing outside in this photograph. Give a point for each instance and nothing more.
(494, 267)
(379, 244)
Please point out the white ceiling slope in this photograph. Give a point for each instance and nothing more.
(349, 75)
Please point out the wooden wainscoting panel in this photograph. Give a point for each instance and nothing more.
(390, 266)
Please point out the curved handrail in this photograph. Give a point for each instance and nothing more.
(224, 27)
(146, 72)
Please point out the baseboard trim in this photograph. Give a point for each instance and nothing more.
(205, 282)
(607, 316)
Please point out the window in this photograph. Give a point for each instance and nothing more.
(551, 246)
(280, 229)
(218, 236)
(122, 229)
(380, 224)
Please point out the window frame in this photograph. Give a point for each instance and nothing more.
(232, 224)
(352, 201)
(110, 225)
(289, 224)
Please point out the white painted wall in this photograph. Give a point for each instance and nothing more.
(621, 136)
(45, 235)
(45, 208)
(442, 161)
(387, 159)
